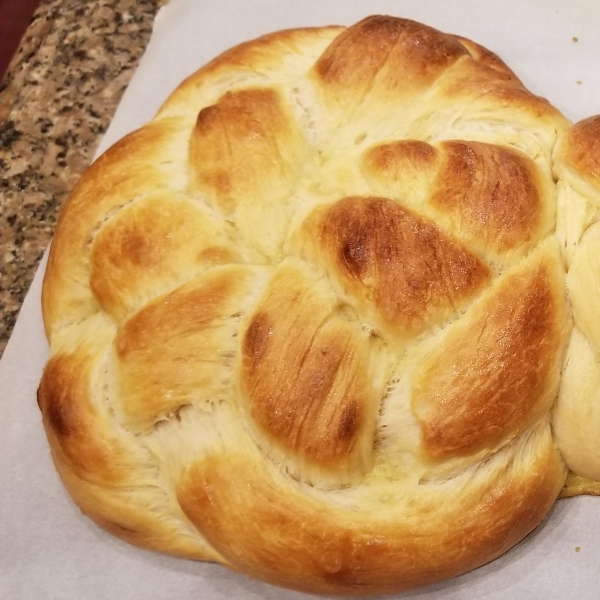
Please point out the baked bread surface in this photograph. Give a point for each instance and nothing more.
(310, 321)
(577, 413)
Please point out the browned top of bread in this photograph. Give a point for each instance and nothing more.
(310, 321)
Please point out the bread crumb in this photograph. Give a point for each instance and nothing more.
(577, 548)
(575, 39)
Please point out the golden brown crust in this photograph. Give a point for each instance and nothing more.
(389, 162)
(395, 263)
(309, 322)
(500, 183)
(580, 150)
(496, 373)
(308, 376)
(194, 326)
(491, 196)
(306, 543)
(384, 56)
(110, 477)
(240, 145)
(137, 166)
(151, 245)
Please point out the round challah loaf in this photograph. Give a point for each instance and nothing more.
(310, 321)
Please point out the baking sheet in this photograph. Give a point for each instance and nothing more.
(48, 550)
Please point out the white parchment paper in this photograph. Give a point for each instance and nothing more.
(48, 550)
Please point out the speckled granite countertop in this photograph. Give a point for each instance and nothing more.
(57, 99)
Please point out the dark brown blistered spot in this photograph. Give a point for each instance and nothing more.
(57, 420)
(257, 340)
(355, 255)
(53, 398)
(139, 249)
(207, 117)
(349, 421)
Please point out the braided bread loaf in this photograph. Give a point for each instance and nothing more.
(310, 321)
